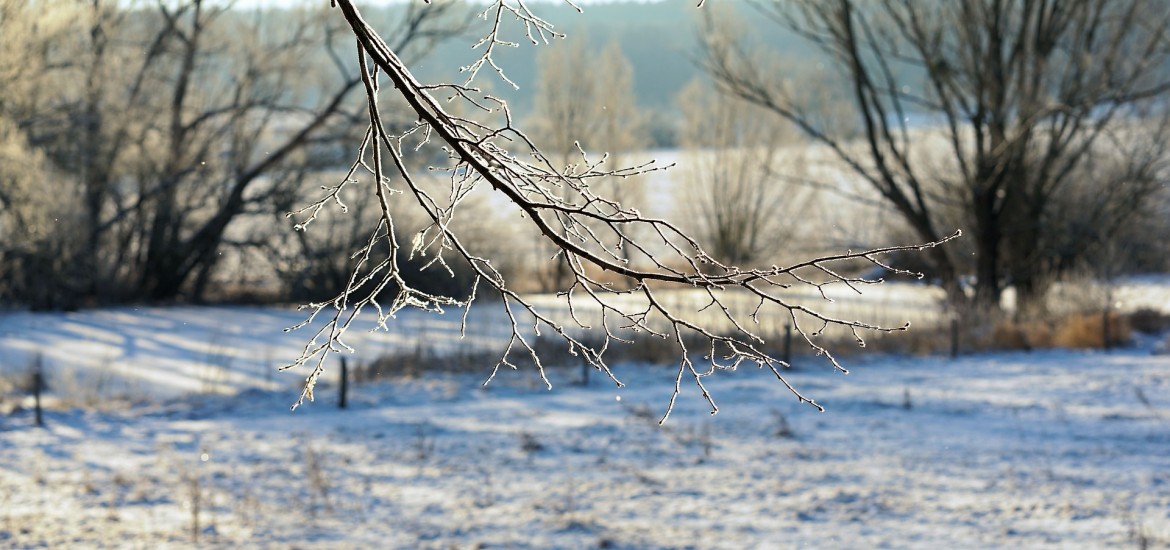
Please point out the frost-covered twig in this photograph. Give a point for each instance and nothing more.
(589, 232)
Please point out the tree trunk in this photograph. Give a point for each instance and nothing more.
(987, 256)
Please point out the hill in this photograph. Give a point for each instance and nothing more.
(659, 38)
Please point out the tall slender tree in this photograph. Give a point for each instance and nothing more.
(738, 179)
(584, 105)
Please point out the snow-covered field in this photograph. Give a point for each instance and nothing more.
(176, 351)
(1054, 449)
(1023, 450)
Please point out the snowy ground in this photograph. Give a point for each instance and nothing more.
(96, 354)
(1047, 449)
(1056, 449)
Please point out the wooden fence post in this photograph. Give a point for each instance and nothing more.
(344, 382)
(38, 386)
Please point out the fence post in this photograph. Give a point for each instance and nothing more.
(954, 338)
(1105, 329)
(344, 382)
(38, 386)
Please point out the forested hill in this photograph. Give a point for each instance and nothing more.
(659, 38)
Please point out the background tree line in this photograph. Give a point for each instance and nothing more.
(151, 151)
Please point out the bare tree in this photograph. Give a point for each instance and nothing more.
(1111, 218)
(34, 244)
(564, 105)
(737, 196)
(621, 129)
(585, 103)
(563, 117)
(590, 231)
(35, 236)
(1023, 93)
(173, 259)
(169, 121)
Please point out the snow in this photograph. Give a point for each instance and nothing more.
(177, 351)
(1024, 450)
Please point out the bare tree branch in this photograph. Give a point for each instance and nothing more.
(588, 230)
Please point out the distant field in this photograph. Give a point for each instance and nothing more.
(168, 352)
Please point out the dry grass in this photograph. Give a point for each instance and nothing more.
(554, 354)
(1072, 331)
(1092, 331)
(935, 340)
(413, 363)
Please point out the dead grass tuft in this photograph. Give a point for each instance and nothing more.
(1070, 331)
(643, 348)
(1090, 331)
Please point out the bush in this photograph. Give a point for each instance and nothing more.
(1149, 321)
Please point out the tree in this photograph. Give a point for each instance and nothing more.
(589, 230)
(583, 103)
(744, 209)
(621, 129)
(34, 244)
(35, 241)
(1023, 95)
(564, 106)
(168, 121)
